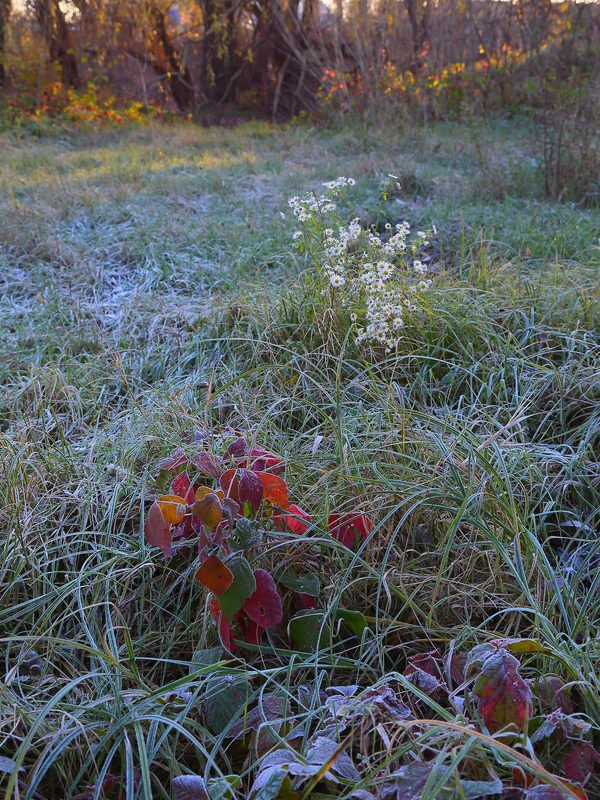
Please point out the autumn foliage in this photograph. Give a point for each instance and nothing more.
(228, 522)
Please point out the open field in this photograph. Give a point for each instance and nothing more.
(150, 294)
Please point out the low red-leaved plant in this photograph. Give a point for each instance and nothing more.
(228, 519)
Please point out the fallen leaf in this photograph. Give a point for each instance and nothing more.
(208, 509)
(207, 463)
(250, 630)
(174, 461)
(242, 486)
(550, 690)
(262, 460)
(503, 696)
(189, 787)
(423, 671)
(578, 763)
(408, 782)
(182, 486)
(238, 448)
(567, 726)
(519, 645)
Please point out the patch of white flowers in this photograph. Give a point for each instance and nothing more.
(377, 275)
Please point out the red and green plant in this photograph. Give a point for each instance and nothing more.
(231, 521)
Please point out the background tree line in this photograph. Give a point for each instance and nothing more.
(280, 57)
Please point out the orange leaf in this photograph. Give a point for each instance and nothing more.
(202, 491)
(208, 510)
(215, 575)
(275, 489)
(172, 507)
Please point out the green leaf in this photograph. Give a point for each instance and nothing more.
(354, 620)
(243, 585)
(309, 631)
(248, 533)
(225, 699)
(270, 790)
(303, 584)
(523, 645)
(207, 657)
(476, 789)
(223, 788)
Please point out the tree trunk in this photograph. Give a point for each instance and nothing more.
(219, 62)
(418, 16)
(180, 81)
(65, 53)
(4, 15)
(57, 36)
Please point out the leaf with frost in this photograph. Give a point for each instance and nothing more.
(503, 697)
(264, 604)
(189, 787)
(157, 530)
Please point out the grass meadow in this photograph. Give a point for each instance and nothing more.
(151, 297)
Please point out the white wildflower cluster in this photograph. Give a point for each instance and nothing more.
(377, 275)
(338, 183)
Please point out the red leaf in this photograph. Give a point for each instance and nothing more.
(454, 663)
(251, 631)
(238, 448)
(229, 482)
(298, 521)
(578, 764)
(157, 529)
(349, 528)
(207, 463)
(428, 662)
(223, 626)
(189, 787)
(215, 575)
(264, 604)
(264, 461)
(503, 696)
(242, 486)
(174, 461)
(551, 693)
(182, 486)
(423, 671)
(307, 600)
(275, 489)
(250, 489)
